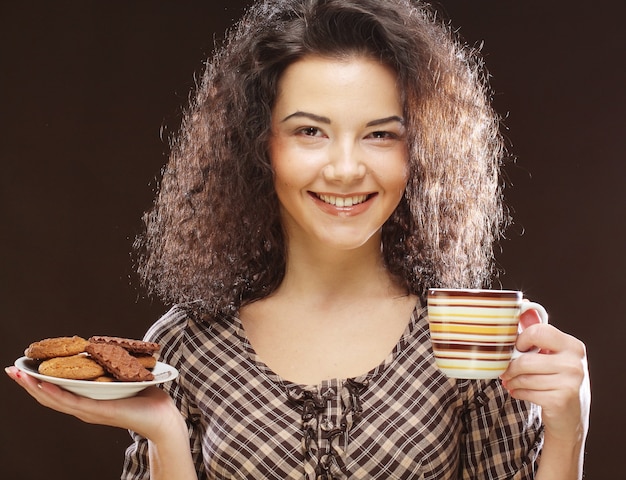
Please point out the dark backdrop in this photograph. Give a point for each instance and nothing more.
(90, 90)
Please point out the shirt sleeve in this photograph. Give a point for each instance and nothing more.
(169, 332)
(502, 436)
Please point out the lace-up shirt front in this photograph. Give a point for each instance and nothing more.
(402, 420)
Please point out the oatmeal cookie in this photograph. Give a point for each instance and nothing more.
(75, 367)
(146, 361)
(56, 347)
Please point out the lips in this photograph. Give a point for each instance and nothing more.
(342, 201)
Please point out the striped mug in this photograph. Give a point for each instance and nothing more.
(473, 331)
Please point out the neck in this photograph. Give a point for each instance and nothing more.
(329, 277)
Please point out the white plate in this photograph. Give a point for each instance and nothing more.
(100, 390)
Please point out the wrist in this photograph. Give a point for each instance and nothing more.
(168, 447)
(562, 458)
(170, 428)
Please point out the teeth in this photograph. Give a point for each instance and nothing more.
(343, 201)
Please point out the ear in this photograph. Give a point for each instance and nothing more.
(528, 318)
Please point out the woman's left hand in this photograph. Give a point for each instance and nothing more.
(147, 413)
(556, 378)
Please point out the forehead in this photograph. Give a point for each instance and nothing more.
(356, 82)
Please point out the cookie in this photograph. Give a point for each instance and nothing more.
(119, 363)
(146, 361)
(75, 367)
(133, 346)
(56, 347)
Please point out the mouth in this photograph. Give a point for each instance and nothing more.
(342, 201)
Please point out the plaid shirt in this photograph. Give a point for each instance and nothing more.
(402, 420)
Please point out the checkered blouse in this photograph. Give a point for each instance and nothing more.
(402, 420)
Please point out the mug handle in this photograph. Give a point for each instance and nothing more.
(543, 316)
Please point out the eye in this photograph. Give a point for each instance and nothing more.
(309, 132)
(383, 135)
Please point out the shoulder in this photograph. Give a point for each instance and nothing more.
(177, 330)
(169, 327)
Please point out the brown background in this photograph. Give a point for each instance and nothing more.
(90, 89)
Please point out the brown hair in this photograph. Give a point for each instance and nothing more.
(214, 235)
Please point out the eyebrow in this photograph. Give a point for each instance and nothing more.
(382, 121)
(311, 116)
(319, 118)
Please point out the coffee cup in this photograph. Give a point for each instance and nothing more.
(473, 331)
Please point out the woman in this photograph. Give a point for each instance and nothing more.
(339, 158)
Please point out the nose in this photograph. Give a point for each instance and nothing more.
(345, 163)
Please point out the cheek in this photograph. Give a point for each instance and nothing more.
(396, 173)
(293, 168)
(406, 172)
(274, 148)
(279, 160)
(285, 176)
(397, 181)
(288, 179)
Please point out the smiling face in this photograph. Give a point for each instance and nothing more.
(338, 150)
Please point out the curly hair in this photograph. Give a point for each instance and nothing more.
(214, 235)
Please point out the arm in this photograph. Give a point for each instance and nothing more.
(151, 413)
(557, 379)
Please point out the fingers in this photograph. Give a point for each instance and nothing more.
(27, 382)
(534, 377)
(547, 338)
(145, 413)
(47, 394)
(561, 356)
(556, 378)
(56, 398)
